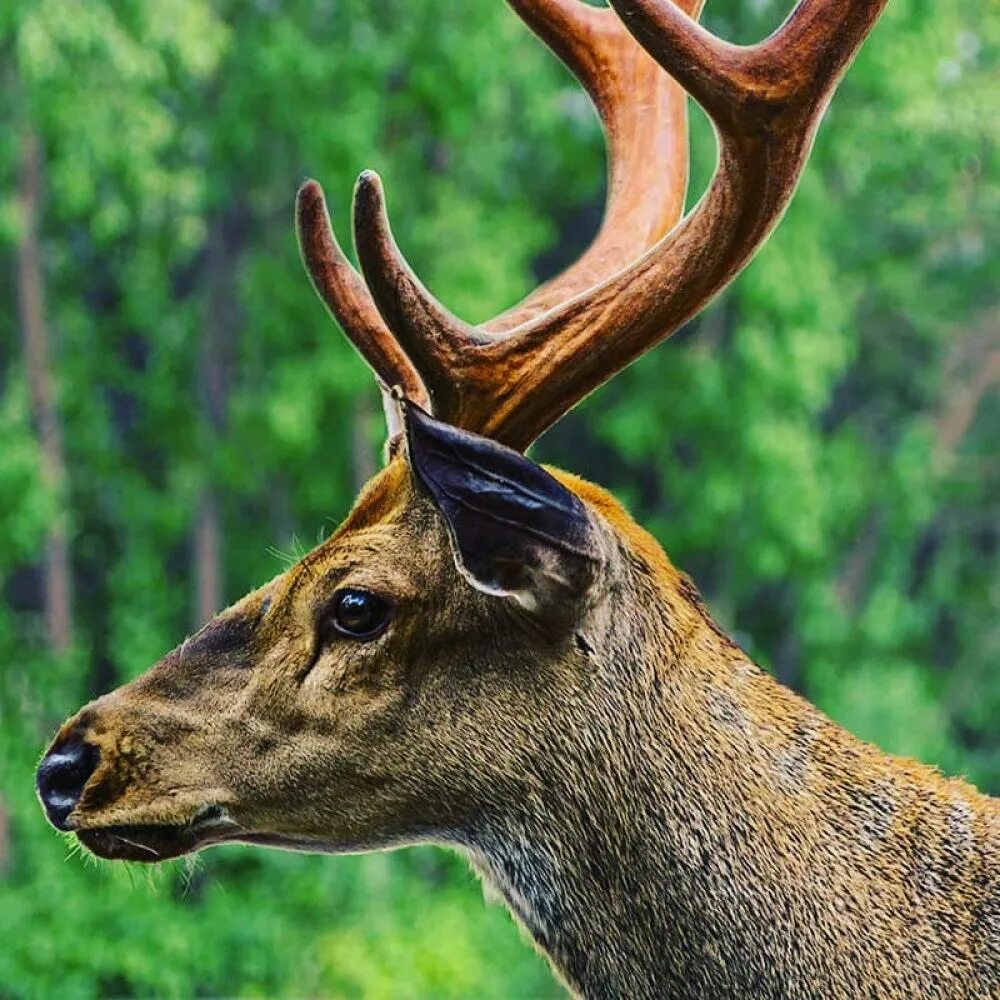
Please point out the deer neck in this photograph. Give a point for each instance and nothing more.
(702, 831)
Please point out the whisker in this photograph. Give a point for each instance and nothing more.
(132, 843)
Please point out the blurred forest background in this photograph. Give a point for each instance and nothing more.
(178, 415)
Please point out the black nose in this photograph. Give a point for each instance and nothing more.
(61, 776)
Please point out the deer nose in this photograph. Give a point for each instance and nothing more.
(61, 776)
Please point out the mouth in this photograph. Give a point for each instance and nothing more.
(150, 843)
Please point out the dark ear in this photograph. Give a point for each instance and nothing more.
(516, 531)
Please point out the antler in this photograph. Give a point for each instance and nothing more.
(345, 295)
(512, 378)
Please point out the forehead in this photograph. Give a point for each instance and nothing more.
(390, 530)
(385, 498)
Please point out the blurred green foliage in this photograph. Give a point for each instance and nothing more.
(817, 449)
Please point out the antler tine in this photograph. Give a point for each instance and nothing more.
(816, 43)
(434, 338)
(707, 67)
(348, 299)
(741, 86)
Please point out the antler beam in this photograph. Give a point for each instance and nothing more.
(643, 276)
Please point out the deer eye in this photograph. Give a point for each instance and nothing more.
(358, 614)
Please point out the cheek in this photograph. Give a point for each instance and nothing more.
(348, 667)
(339, 749)
(354, 701)
(330, 676)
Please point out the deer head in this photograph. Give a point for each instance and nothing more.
(342, 705)
(490, 654)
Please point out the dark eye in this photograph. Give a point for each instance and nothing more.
(358, 614)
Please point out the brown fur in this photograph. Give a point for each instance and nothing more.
(665, 818)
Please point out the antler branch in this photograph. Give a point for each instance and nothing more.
(512, 378)
(347, 297)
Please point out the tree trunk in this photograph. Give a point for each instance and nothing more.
(41, 395)
(207, 558)
(4, 838)
(363, 418)
(220, 325)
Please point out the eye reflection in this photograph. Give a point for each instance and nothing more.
(357, 614)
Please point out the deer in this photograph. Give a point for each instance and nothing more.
(491, 656)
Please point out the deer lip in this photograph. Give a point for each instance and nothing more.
(138, 843)
(153, 842)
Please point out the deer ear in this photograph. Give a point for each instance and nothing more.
(516, 531)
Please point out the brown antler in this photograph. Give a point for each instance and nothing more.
(345, 295)
(513, 378)
(648, 166)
